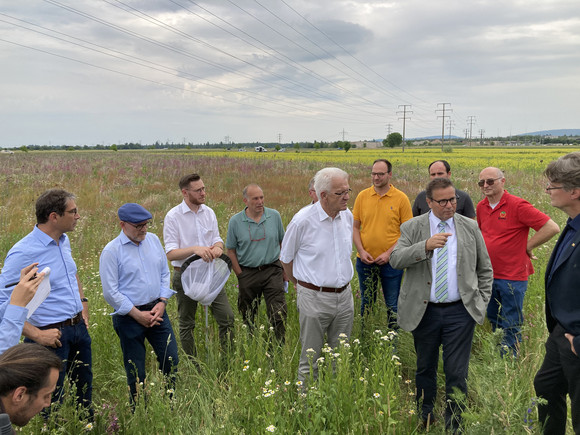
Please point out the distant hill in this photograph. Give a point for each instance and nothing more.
(560, 132)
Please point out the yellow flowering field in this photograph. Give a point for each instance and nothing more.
(518, 158)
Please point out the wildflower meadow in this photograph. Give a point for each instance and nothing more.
(365, 386)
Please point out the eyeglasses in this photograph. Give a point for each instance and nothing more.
(378, 174)
(443, 202)
(201, 189)
(548, 187)
(489, 181)
(138, 227)
(341, 194)
(72, 211)
(257, 238)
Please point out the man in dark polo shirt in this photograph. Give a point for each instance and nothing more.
(442, 169)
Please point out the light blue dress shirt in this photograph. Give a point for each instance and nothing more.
(13, 318)
(64, 301)
(132, 274)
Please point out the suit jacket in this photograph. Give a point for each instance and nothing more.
(474, 272)
(562, 280)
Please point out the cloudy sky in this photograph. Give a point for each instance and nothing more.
(93, 72)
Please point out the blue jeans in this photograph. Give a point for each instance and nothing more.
(370, 276)
(77, 361)
(505, 311)
(132, 336)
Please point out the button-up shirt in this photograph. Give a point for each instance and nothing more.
(132, 274)
(452, 290)
(183, 228)
(13, 318)
(63, 301)
(319, 247)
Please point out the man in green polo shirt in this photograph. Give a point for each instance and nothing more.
(253, 244)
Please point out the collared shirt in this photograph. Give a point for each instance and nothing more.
(505, 229)
(13, 318)
(256, 244)
(381, 217)
(183, 228)
(133, 274)
(452, 290)
(319, 247)
(63, 301)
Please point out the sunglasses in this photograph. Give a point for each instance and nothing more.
(489, 181)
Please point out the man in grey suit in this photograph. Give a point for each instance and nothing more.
(445, 291)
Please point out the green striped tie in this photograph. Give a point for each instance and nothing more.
(441, 269)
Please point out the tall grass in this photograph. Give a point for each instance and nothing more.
(365, 387)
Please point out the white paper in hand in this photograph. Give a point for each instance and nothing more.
(41, 293)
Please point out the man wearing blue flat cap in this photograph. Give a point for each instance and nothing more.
(135, 278)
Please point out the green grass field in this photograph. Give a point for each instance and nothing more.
(253, 389)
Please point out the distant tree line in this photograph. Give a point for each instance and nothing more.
(392, 140)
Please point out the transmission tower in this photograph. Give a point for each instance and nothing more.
(443, 116)
(404, 118)
(470, 121)
(450, 124)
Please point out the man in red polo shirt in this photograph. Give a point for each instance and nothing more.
(505, 221)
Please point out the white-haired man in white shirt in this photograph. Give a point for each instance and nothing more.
(316, 255)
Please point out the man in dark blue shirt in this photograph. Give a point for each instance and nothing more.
(560, 371)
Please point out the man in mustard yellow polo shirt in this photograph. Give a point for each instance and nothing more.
(378, 214)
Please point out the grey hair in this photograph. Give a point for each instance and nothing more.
(323, 179)
(565, 171)
(245, 191)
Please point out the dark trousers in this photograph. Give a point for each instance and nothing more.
(76, 356)
(269, 281)
(187, 308)
(132, 336)
(559, 375)
(453, 327)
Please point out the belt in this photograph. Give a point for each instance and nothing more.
(149, 306)
(265, 266)
(68, 322)
(444, 304)
(323, 289)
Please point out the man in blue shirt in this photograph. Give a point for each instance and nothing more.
(60, 322)
(135, 278)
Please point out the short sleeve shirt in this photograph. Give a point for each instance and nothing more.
(505, 230)
(256, 244)
(381, 218)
